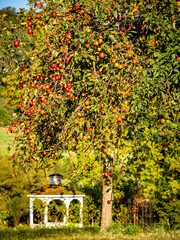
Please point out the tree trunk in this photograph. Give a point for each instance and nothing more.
(16, 220)
(107, 195)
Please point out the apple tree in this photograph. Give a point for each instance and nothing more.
(88, 88)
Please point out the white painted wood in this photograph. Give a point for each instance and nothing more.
(31, 211)
(47, 199)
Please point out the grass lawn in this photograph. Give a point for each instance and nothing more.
(5, 139)
(100, 236)
(84, 234)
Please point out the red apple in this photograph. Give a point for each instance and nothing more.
(123, 168)
(101, 55)
(134, 60)
(77, 8)
(29, 23)
(39, 5)
(113, 3)
(108, 202)
(96, 43)
(54, 14)
(83, 11)
(106, 174)
(53, 65)
(67, 89)
(162, 120)
(42, 111)
(87, 45)
(105, 150)
(68, 35)
(71, 95)
(68, 59)
(30, 31)
(68, 84)
(16, 43)
(24, 68)
(38, 15)
(86, 102)
(12, 174)
(101, 104)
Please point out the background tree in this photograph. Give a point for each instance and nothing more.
(9, 60)
(7, 15)
(156, 158)
(14, 190)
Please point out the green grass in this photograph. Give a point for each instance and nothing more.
(90, 233)
(5, 139)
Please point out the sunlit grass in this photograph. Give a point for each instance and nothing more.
(6, 138)
(108, 236)
(85, 234)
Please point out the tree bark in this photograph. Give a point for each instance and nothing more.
(16, 220)
(107, 195)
